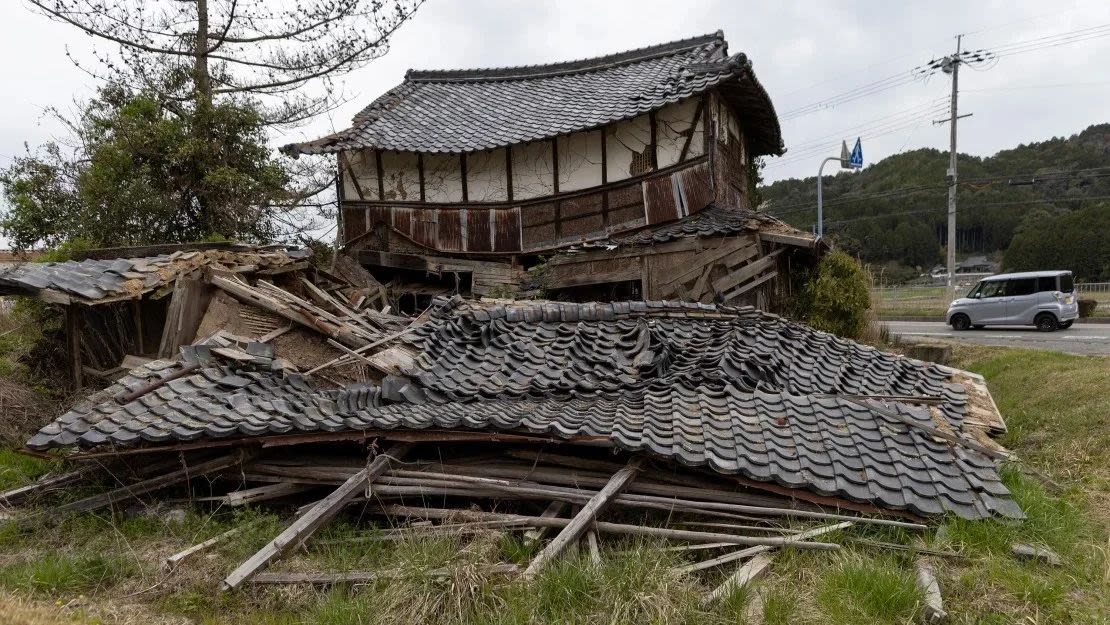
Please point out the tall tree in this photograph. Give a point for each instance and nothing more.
(173, 147)
(255, 48)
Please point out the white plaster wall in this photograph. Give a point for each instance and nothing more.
(442, 178)
(533, 171)
(486, 179)
(580, 160)
(401, 173)
(622, 140)
(365, 169)
(672, 125)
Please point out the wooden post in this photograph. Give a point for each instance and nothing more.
(137, 318)
(316, 517)
(73, 338)
(753, 569)
(584, 519)
(553, 510)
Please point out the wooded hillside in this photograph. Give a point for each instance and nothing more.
(895, 210)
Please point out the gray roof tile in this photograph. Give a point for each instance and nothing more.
(469, 110)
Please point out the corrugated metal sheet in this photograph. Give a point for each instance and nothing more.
(696, 184)
(478, 237)
(659, 200)
(506, 232)
(450, 229)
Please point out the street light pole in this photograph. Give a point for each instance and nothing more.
(820, 200)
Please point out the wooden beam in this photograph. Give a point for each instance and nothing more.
(316, 517)
(693, 128)
(73, 340)
(509, 173)
(799, 538)
(141, 488)
(745, 273)
(582, 521)
(137, 318)
(752, 570)
(788, 239)
(351, 172)
(654, 127)
(744, 288)
(420, 172)
(553, 510)
(743, 246)
(462, 170)
(605, 527)
(364, 577)
(381, 174)
(173, 561)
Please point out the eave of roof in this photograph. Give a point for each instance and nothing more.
(403, 118)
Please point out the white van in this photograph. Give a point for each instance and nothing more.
(1045, 299)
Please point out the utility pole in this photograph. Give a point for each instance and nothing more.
(954, 64)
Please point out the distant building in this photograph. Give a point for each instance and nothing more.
(973, 267)
(618, 177)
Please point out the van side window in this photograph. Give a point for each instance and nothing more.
(1022, 286)
(1046, 283)
(994, 288)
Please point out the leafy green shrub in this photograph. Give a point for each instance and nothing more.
(836, 297)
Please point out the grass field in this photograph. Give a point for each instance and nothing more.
(97, 569)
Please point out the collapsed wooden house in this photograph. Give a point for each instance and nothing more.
(513, 415)
(619, 177)
(125, 306)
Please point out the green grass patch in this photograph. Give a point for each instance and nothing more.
(59, 572)
(868, 589)
(17, 469)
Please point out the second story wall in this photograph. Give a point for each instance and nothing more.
(539, 195)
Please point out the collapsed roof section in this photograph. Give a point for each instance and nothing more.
(94, 281)
(458, 111)
(735, 391)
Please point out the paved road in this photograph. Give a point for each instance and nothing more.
(1081, 338)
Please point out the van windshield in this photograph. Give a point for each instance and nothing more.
(974, 290)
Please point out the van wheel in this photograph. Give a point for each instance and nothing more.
(1066, 324)
(960, 322)
(1046, 322)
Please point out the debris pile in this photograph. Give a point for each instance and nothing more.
(707, 425)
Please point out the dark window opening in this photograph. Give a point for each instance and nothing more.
(1067, 283)
(604, 292)
(412, 291)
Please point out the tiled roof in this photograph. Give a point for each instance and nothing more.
(469, 110)
(712, 221)
(93, 279)
(735, 390)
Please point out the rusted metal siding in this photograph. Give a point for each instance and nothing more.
(659, 201)
(354, 223)
(696, 184)
(506, 231)
(478, 238)
(450, 226)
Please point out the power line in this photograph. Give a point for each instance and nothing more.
(973, 206)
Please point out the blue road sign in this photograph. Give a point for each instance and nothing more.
(855, 161)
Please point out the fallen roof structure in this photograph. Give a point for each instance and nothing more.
(702, 415)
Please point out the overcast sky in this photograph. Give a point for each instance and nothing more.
(803, 53)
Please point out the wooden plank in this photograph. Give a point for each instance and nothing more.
(744, 288)
(553, 510)
(141, 488)
(263, 493)
(173, 561)
(73, 340)
(752, 570)
(581, 521)
(45, 483)
(364, 577)
(316, 517)
(744, 247)
(605, 527)
(787, 239)
(932, 609)
(799, 538)
(592, 545)
(746, 272)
